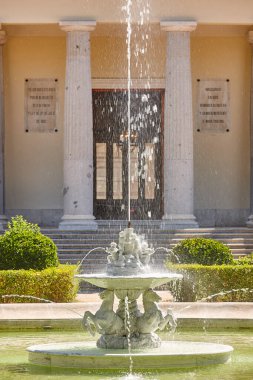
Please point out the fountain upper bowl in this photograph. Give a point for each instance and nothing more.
(140, 282)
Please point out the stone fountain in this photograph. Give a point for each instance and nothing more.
(128, 277)
(128, 335)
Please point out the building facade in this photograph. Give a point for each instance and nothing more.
(63, 112)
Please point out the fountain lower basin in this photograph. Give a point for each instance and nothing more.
(174, 354)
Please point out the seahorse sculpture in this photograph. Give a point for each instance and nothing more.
(105, 321)
(152, 319)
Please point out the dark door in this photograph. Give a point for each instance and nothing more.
(110, 125)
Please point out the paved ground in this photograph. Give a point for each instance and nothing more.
(69, 315)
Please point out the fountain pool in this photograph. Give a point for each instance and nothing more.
(14, 364)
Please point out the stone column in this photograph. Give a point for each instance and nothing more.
(250, 218)
(3, 219)
(78, 131)
(178, 128)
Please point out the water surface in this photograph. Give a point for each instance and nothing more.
(14, 358)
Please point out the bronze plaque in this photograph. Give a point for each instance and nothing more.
(41, 105)
(213, 105)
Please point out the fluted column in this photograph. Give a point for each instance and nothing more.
(78, 132)
(178, 128)
(250, 218)
(3, 219)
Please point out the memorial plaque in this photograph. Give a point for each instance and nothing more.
(213, 105)
(41, 105)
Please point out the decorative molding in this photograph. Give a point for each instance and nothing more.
(178, 26)
(121, 83)
(80, 26)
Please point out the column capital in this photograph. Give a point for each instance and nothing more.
(3, 37)
(81, 26)
(250, 36)
(178, 26)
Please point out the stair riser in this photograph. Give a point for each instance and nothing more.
(74, 245)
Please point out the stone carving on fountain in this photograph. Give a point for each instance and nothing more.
(112, 325)
(130, 257)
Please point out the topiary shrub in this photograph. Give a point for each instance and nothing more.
(203, 251)
(23, 246)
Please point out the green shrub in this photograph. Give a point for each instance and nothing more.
(54, 284)
(233, 283)
(23, 246)
(245, 260)
(202, 251)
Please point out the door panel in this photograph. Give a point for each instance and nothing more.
(101, 171)
(110, 154)
(117, 172)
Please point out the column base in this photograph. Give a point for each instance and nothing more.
(78, 223)
(249, 222)
(178, 221)
(3, 222)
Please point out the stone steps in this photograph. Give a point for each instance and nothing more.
(74, 245)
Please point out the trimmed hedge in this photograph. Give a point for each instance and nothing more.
(213, 283)
(54, 284)
(248, 259)
(202, 251)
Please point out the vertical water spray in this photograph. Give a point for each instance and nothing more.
(128, 329)
(129, 31)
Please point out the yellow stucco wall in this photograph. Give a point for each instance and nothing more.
(109, 57)
(34, 161)
(222, 159)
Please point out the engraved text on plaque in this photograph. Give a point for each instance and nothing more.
(213, 105)
(41, 105)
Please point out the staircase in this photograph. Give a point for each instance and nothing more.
(89, 247)
(73, 246)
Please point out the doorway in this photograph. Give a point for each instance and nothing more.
(111, 154)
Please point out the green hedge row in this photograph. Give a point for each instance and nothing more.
(56, 284)
(213, 283)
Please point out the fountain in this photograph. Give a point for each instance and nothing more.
(128, 336)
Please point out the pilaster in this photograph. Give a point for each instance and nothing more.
(178, 128)
(78, 133)
(250, 218)
(3, 219)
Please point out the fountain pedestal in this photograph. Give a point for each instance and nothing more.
(128, 326)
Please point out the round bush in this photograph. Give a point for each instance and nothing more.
(203, 251)
(23, 246)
